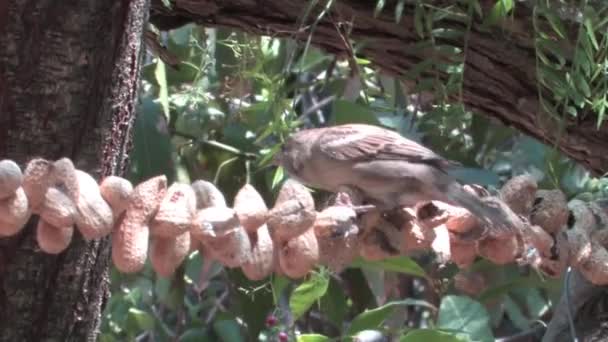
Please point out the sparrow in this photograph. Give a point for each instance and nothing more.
(388, 169)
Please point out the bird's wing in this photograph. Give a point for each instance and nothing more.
(362, 142)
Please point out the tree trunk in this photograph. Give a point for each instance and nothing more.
(500, 71)
(69, 74)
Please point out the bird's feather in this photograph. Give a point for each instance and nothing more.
(362, 143)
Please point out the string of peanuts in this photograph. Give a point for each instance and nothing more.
(166, 223)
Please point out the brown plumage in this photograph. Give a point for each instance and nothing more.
(387, 168)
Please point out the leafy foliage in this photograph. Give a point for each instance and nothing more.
(235, 97)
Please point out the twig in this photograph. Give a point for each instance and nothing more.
(218, 145)
(217, 306)
(524, 335)
(568, 306)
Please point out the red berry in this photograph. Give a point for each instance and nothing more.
(271, 321)
(283, 337)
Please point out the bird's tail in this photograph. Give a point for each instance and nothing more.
(490, 214)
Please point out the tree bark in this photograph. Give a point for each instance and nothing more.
(69, 75)
(500, 70)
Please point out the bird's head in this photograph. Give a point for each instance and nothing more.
(293, 153)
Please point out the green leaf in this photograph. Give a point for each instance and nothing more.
(556, 23)
(601, 113)
(554, 81)
(228, 330)
(375, 279)
(313, 338)
(362, 61)
(477, 7)
(582, 84)
(447, 33)
(160, 74)
(399, 10)
(515, 313)
(418, 20)
(498, 12)
(314, 60)
(428, 21)
(372, 319)
(279, 175)
(379, 7)
(194, 264)
(419, 68)
(279, 284)
(334, 304)
(554, 48)
(352, 112)
(167, 3)
(400, 264)
(588, 48)
(536, 304)
(195, 335)
(591, 33)
(466, 316)
(429, 335)
(305, 295)
(143, 319)
(152, 149)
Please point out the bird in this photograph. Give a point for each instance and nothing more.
(388, 169)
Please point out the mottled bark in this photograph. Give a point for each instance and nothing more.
(500, 75)
(69, 74)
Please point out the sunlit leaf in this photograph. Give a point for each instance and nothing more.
(307, 293)
(379, 7)
(429, 335)
(279, 176)
(601, 112)
(313, 338)
(498, 12)
(399, 10)
(373, 319)
(163, 91)
(313, 60)
(401, 264)
(167, 3)
(144, 320)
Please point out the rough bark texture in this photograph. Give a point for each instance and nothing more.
(68, 84)
(500, 76)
